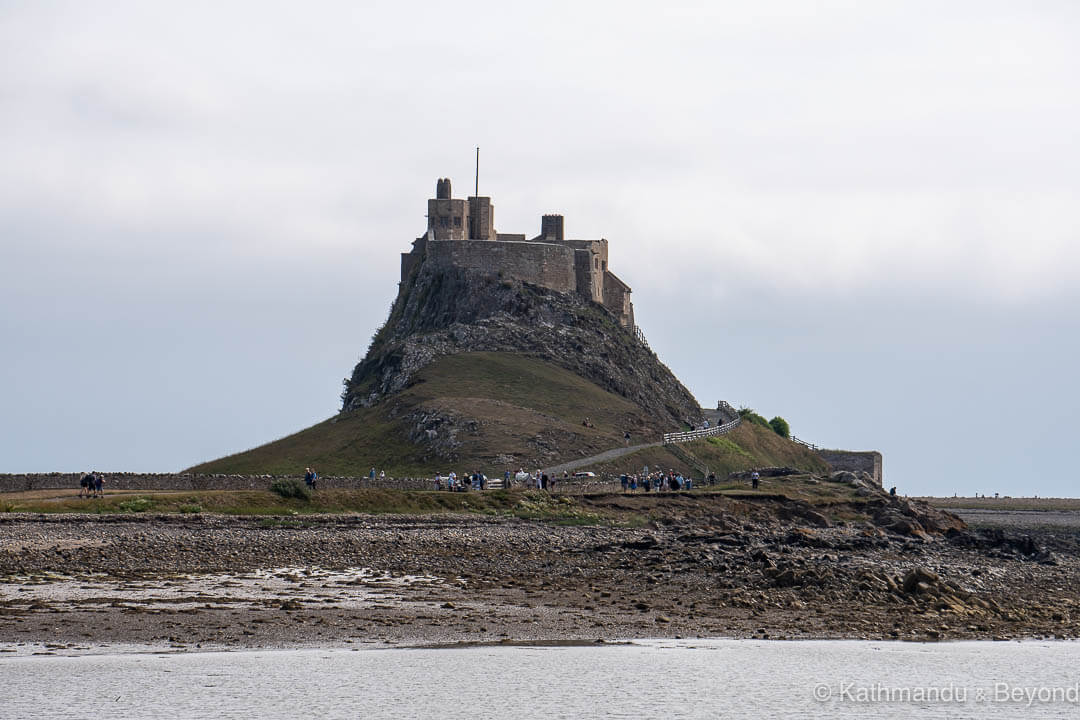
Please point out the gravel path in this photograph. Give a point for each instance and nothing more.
(596, 459)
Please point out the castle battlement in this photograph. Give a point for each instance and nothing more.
(461, 233)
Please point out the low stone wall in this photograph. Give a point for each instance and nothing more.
(868, 461)
(186, 481)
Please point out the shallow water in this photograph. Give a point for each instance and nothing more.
(691, 679)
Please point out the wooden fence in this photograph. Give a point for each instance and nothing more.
(681, 437)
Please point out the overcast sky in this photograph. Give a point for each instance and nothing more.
(860, 216)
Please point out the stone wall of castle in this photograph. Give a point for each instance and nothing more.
(617, 299)
(868, 461)
(548, 265)
(584, 277)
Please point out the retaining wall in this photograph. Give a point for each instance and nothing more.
(178, 481)
(868, 461)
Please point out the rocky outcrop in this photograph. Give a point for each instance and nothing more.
(904, 516)
(445, 311)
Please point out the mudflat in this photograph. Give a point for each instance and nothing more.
(700, 565)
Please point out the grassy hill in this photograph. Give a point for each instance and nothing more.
(501, 410)
(494, 411)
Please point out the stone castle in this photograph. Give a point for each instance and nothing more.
(461, 233)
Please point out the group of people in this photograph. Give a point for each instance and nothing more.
(658, 481)
(538, 480)
(310, 477)
(90, 485)
(461, 483)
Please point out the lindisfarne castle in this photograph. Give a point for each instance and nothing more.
(461, 233)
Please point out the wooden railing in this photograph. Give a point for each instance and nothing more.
(812, 446)
(681, 437)
(640, 337)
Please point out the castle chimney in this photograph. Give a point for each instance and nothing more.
(442, 189)
(551, 227)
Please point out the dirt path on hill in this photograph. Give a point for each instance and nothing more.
(603, 457)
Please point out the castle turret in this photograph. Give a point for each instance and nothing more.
(551, 228)
(442, 189)
(448, 219)
(481, 219)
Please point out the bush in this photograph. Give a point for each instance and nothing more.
(137, 505)
(749, 415)
(780, 427)
(191, 509)
(290, 488)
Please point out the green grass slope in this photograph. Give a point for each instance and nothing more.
(746, 447)
(749, 446)
(504, 404)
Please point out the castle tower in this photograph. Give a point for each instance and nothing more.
(551, 228)
(442, 189)
(481, 219)
(448, 219)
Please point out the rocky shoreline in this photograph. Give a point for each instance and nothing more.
(206, 581)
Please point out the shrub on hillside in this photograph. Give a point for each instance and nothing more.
(290, 488)
(780, 427)
(748, 415)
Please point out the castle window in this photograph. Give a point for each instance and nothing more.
(604, 264)
(457, 221)
(596, 264)
(444, 222)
